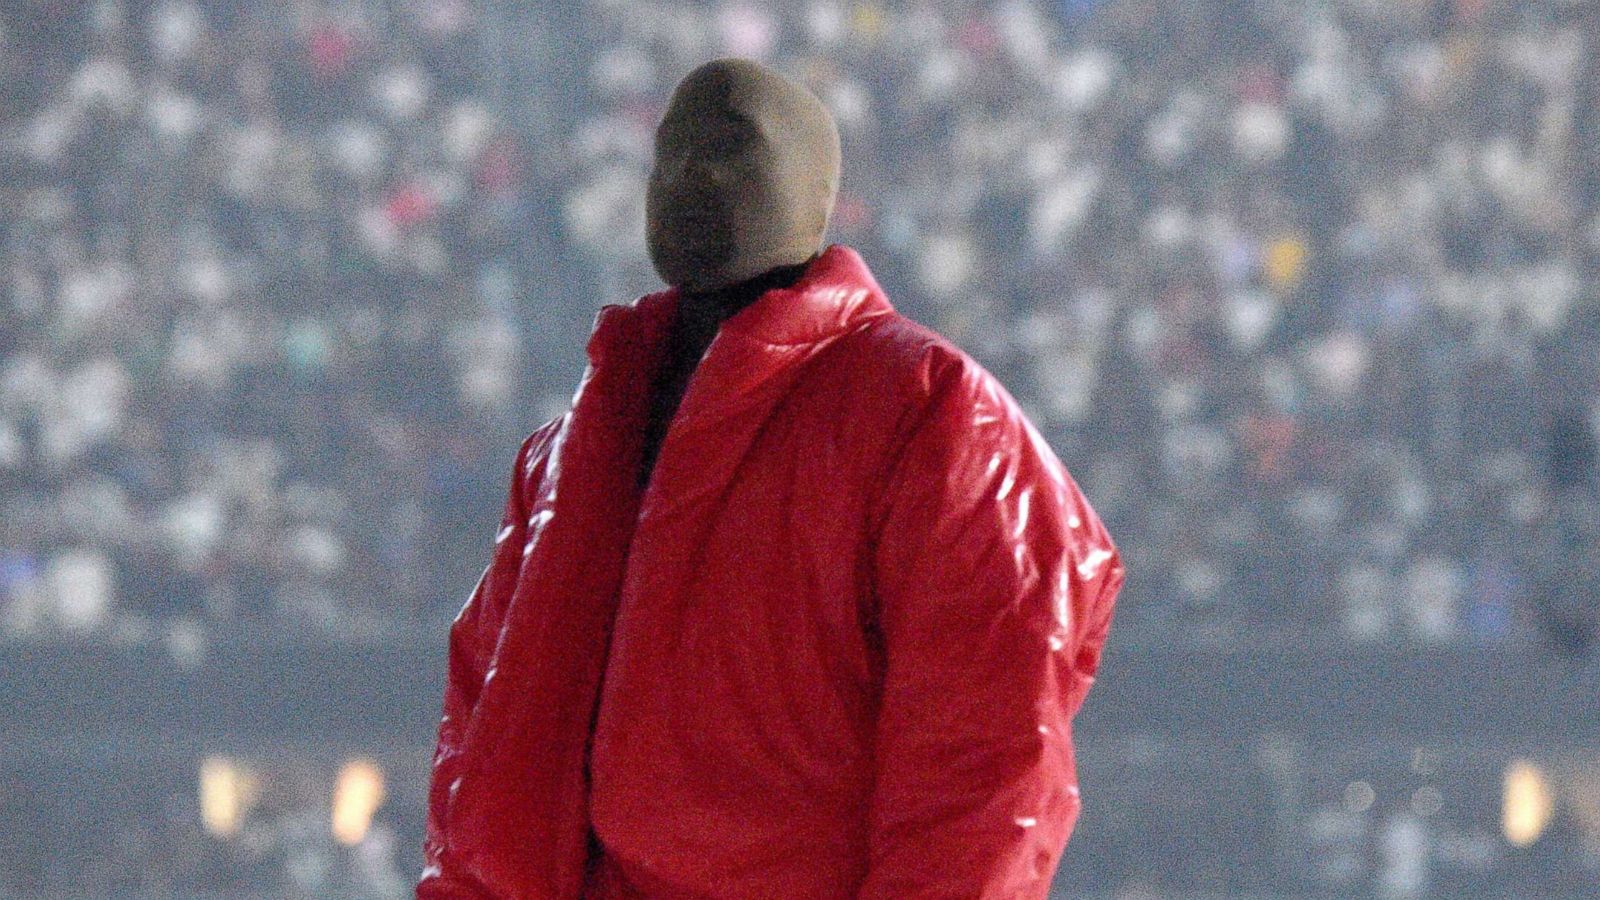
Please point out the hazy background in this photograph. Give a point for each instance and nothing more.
(1303, 293)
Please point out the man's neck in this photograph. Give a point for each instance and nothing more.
(713, 306)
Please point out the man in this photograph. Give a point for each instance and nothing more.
(793, 601)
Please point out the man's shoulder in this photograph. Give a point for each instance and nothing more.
(536, 447)
(921, 365)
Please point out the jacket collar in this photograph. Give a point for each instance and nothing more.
(835, 293)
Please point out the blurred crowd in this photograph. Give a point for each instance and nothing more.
(1303, 294)
(261, 343)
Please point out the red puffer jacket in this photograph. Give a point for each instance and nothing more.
(833, 651)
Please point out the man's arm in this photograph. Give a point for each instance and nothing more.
(472, 639)
(995, 584)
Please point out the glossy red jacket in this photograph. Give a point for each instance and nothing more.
(833, 651)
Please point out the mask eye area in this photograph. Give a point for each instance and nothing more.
(725, 137)
(730, 135)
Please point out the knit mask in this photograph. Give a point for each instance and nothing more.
(745, 175)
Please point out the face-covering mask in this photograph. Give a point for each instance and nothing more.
(746, 171)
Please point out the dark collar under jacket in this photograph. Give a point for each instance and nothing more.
(698, 317)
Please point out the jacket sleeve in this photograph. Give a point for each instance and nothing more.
(994, 585)
(473, 634)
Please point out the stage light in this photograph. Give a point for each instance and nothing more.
(1526, 805)
(356, 796)
(226, 793)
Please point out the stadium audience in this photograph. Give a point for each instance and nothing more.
(1298, 291)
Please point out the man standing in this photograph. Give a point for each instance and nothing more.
(793, 602)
